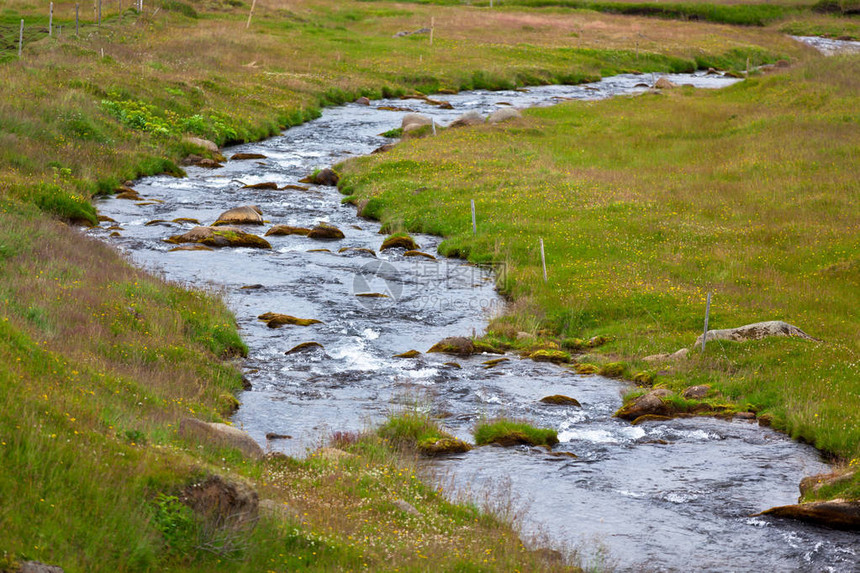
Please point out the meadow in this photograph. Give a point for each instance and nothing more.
(646, 204)
(100, 361)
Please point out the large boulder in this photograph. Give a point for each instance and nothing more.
(220, 237)
(665, 83)
(755, 331)
(244, 215)
(220, 435)
(415, 119)
(650, 404)
(456, 345)
(504, 114)
(835, 513)
(209, 146)
(222, 503)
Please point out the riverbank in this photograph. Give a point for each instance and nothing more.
(747, 192)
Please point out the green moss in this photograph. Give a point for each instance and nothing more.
(557, 356)
(507, 432)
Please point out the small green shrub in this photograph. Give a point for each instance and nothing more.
(176, 524)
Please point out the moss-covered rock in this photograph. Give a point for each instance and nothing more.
(612, 370)
(696, 392)
(555, 356)
(456, 345)
(419, 254)
(326, 177)
(271, 185)
(187, 220)
(494, 362)
(652, 403)
(287, 230)
(220, 237)
(586, 368)
(304, 347)
(505, 432)
(573, 344)
(246, 156)
(277, 320)
(325, 231)
(371, 295)
(644, 378)
(561, 400)
(443, 446)
(650, 418)
(357, 251)
(399, 241)
(836, 513)
(408, 354)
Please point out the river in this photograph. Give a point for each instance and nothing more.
(672, 496)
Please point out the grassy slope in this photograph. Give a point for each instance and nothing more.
(648, 203)
(92, 391)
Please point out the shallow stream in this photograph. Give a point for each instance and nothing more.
(673, 496)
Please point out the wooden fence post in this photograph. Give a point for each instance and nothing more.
(474, 223)
(51, 20)
(250, 14)
(77, 13)
(707, 313)
(21, 39)
(543, 261)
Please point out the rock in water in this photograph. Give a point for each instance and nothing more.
(325, 231)
(325, 177)
(244, 215)
(244, 156)
(287, 230)
(648, 404)
(836, 513)
(561, 400)
(665, 84)
(220, 237)
(456, 345)
(276, 320)
(399, 242)
(265, 185)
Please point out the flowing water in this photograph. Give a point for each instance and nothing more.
(830, 47)
(674, 496)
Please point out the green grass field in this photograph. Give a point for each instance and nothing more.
(93, 391)
(645, 205)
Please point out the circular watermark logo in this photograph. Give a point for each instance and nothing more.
(377, 282)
